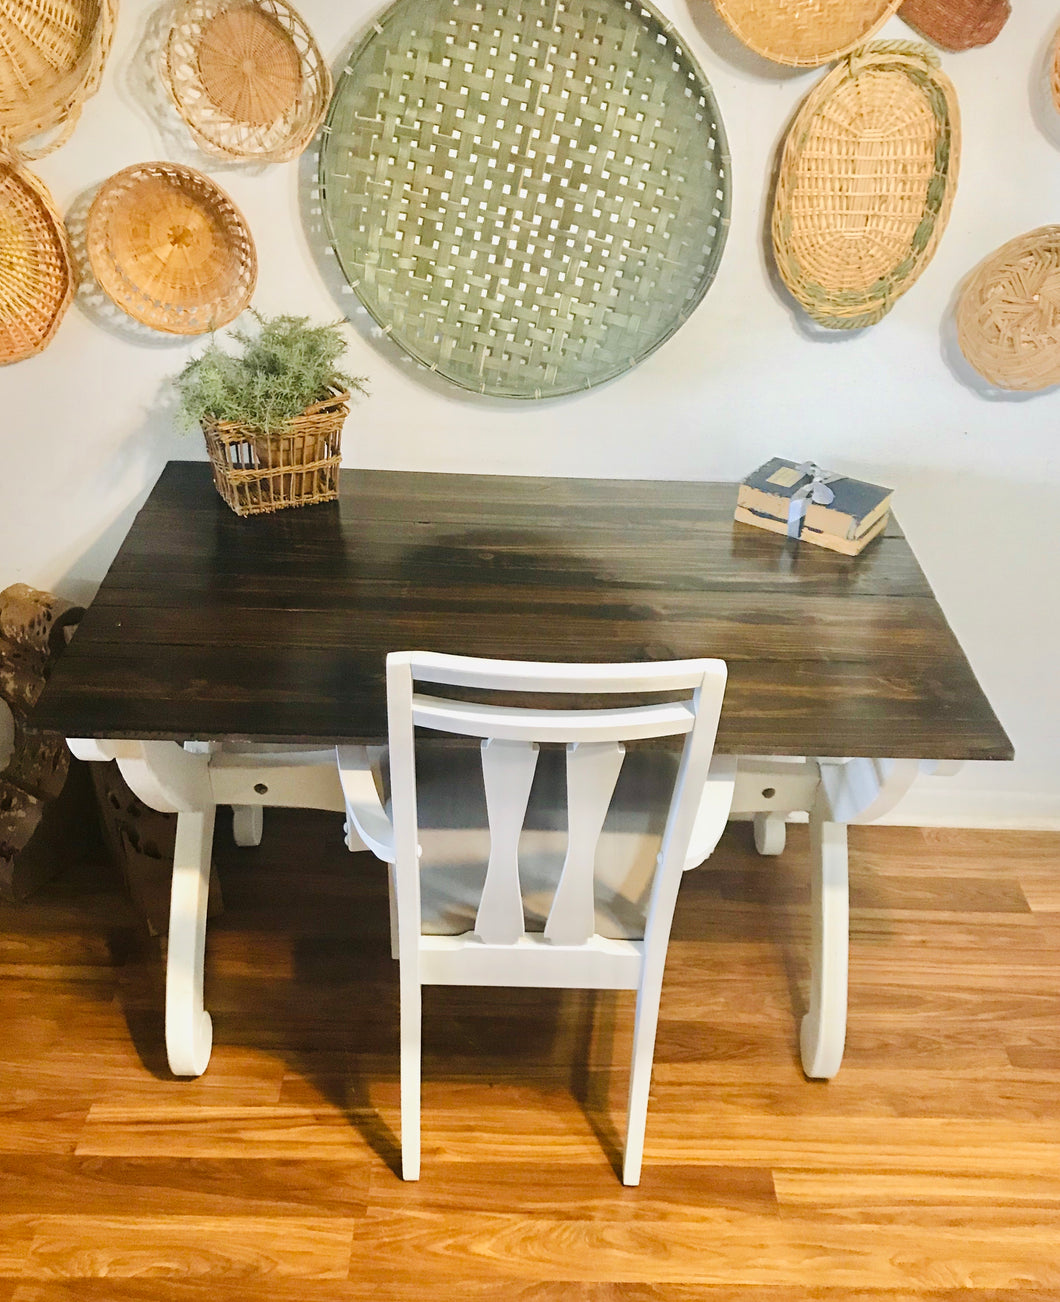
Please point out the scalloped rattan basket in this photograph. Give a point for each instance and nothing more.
(37, 278)
(956, 24)
(247, 77)
(866, 182)
(529, 198)
(804, 33)
(171, 248)
(1008, 314)
(52, 54)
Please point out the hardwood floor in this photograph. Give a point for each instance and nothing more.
(929, 1169)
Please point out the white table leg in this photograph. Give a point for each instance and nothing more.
(189, 1031)
(771, 833)
(823, 1031)
(248, 824)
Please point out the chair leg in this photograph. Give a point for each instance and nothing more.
(823, 1032)
(645, 1024)
(189, 1031)
(410, 1072)
(248, 824)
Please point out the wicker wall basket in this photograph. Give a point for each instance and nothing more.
(1008, 314)
(37, 278)
(866, 182)
(296, 465)
(956, 24)
(247, 77)
(1054, 72)
(804, 33)
(171, 248)
(52, 54)
(530, 198)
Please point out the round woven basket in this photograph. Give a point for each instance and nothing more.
(804, 33)
(37, 278)
(1054, 73)
(1008, 314)
(956, 24)
(52, 54)
(247, 77)
(171, 248)
(866, 182)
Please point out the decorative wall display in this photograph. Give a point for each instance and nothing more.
(529, 198)
(956, 24)
(52, 54)
(247, 77)
(866, 183)
(171, 248)
(804, 33)
(1008, 314)
(37, 277)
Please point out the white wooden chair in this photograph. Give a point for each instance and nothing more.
(523, 866)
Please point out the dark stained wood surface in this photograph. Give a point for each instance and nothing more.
(276, 628)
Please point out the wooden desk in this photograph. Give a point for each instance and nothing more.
(209, 628)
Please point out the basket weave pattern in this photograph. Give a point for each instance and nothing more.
(247, 77)
(37, 279)
(804, 33)
(52, 54)
(1008, 315)
(297, 465)
(866, 183)
(956, 24)
(529, 197)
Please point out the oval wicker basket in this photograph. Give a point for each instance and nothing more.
(247, 77)
(804, 33)
(52, 54)
(37, 277)
(1008, 314)
(1054, 72)
(866, 183)
(171, 248)
(956, 24)
(530, 198)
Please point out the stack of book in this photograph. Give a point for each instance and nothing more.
(856, 513)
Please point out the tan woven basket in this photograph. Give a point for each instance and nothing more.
(866, 183)
(52, 54)
(171, 248)
(805, 33)
(37, 277)
(956, 24)
(296, 465)
(1054, 73)
(1008, 314)
(247, 77)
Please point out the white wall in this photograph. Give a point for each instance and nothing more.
(86, 426)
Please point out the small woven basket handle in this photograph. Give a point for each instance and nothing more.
(914, 53)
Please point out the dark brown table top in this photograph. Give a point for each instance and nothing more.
(275, 628)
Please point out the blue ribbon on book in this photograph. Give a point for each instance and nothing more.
(816, 490)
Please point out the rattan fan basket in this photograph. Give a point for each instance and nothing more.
(804, 33)
(247, 77)
(956, 24)
(866, 183)
(52, 54)
(171, 248)
(37, 277)
(1008, 314)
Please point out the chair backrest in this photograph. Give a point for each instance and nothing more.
(669, 699)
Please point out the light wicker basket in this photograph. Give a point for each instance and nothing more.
(529, 198)
(52, 54)
(956, 24)
(171, 248)
(804, 33)
(1008, 314)
(296, 465)
(37, 276)
(247, 77)
(866, 182)
(1054, 72)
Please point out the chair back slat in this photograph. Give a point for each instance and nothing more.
(507, 773)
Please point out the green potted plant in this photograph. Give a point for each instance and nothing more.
(271, 412)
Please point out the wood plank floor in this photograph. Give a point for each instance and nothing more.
(929, 1169)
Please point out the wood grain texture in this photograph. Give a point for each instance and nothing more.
(277, 628)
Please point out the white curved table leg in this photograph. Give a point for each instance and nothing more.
(189, 1031)
(771, 832)
(248, 824)
(823, 1031)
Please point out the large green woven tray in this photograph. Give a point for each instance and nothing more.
(529, 196)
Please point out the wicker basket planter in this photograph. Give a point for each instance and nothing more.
(866, 183)
(804, 33)
(1008, 315)
(956, 24)
(296, 465)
